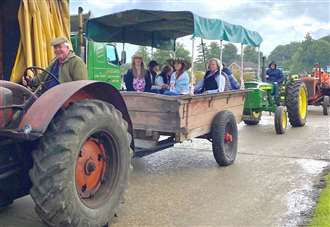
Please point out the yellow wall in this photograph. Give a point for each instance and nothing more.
(40, 21)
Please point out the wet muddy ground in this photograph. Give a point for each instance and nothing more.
(270, 184)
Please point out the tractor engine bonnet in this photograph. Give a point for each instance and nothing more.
(6, 99)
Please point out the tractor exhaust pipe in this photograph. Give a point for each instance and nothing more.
(263, 69)
(81, 32)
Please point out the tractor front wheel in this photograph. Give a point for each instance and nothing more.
(253, 118)
(325, 105)
(81, 166)
(280, 120)
(224, 138)
(296, 103)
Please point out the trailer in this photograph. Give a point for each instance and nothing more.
(161, 121)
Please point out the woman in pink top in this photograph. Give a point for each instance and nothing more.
(137, 78)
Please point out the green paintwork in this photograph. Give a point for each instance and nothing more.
(259, 98)
(99, 66)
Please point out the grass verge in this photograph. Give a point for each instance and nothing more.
(321, 214)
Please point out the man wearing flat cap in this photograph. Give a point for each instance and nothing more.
(66, 66)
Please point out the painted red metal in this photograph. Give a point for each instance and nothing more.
(40, 114)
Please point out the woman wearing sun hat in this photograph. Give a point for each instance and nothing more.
(137, 78)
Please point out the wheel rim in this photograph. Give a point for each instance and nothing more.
(228, 141)
(284, 120)
(302, 103)
(95, 169)
(256, 115)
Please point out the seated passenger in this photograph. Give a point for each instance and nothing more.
(179, 83)
(153, 68)
(233, 83)
(137, 78)
(213, 81)
(162, 81)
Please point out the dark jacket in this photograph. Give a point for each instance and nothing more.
(166, 78)
(274, 75)
(128, 79)
(210, 82)
(153, 75)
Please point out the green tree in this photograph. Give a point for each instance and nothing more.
(161, 56)
(202, 57)
(250, 54)
(309, 53)
(181, 52)
(214, 50)
(282, 54)
(229, 53)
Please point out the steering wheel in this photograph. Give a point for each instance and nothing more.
(34, 69)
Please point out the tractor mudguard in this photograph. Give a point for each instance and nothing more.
(42, 111)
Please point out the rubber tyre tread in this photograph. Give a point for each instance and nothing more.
(325, 105)
(52, 174)
(217, 134)
(278, 120)
(292, 103)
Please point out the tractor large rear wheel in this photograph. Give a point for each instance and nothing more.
(81, 167)
(296, 103)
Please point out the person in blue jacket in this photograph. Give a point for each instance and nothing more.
(233, 84)
(274, 76)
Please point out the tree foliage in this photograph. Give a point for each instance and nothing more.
(161, 56)
(300, 57)
(229, 53)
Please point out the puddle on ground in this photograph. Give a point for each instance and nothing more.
(301, 200)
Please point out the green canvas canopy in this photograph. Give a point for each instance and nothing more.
(160, 29)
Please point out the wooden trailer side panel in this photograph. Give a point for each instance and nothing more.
(201, 112)
(150, 113)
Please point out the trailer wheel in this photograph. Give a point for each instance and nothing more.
(280, 120)
(224, 138)
(296, 103)
(325, 105)
(81, 166)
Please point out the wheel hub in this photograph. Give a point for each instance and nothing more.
(90, 168)
(228, 138)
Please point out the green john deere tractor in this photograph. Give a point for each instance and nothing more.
(291, 102)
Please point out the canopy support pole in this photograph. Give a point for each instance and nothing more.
(203, 49)
(174, 49)
(192, 81)
(242, 67)
(258, 71)
(221, 53)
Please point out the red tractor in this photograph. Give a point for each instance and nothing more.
(318, 87)
(69, 147)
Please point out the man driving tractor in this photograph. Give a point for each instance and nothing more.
(66, 67)
(274, 76)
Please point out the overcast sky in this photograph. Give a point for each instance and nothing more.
(278, 21)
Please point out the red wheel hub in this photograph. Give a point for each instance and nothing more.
(228, 138)
(90, 168)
